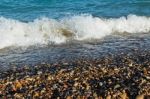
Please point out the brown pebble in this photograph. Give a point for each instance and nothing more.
(108, 97)
(140, 96)
(68, 97)
(124, 95)
(18, 84)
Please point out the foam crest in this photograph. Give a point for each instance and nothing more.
(45, 31)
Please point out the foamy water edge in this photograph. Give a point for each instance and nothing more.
(45, 30)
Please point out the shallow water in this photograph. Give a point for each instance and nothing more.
(109, 46)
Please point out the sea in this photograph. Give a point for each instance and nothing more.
(46, 31)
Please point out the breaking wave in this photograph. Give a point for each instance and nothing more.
(45, 31)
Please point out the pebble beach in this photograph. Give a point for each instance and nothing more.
(119, 76)
(74, 49)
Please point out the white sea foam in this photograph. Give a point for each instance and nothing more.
(45, 30)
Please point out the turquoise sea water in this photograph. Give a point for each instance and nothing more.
(36, 31)
(28, 10)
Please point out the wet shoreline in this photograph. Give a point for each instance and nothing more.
(91, 49)
(121, 75)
